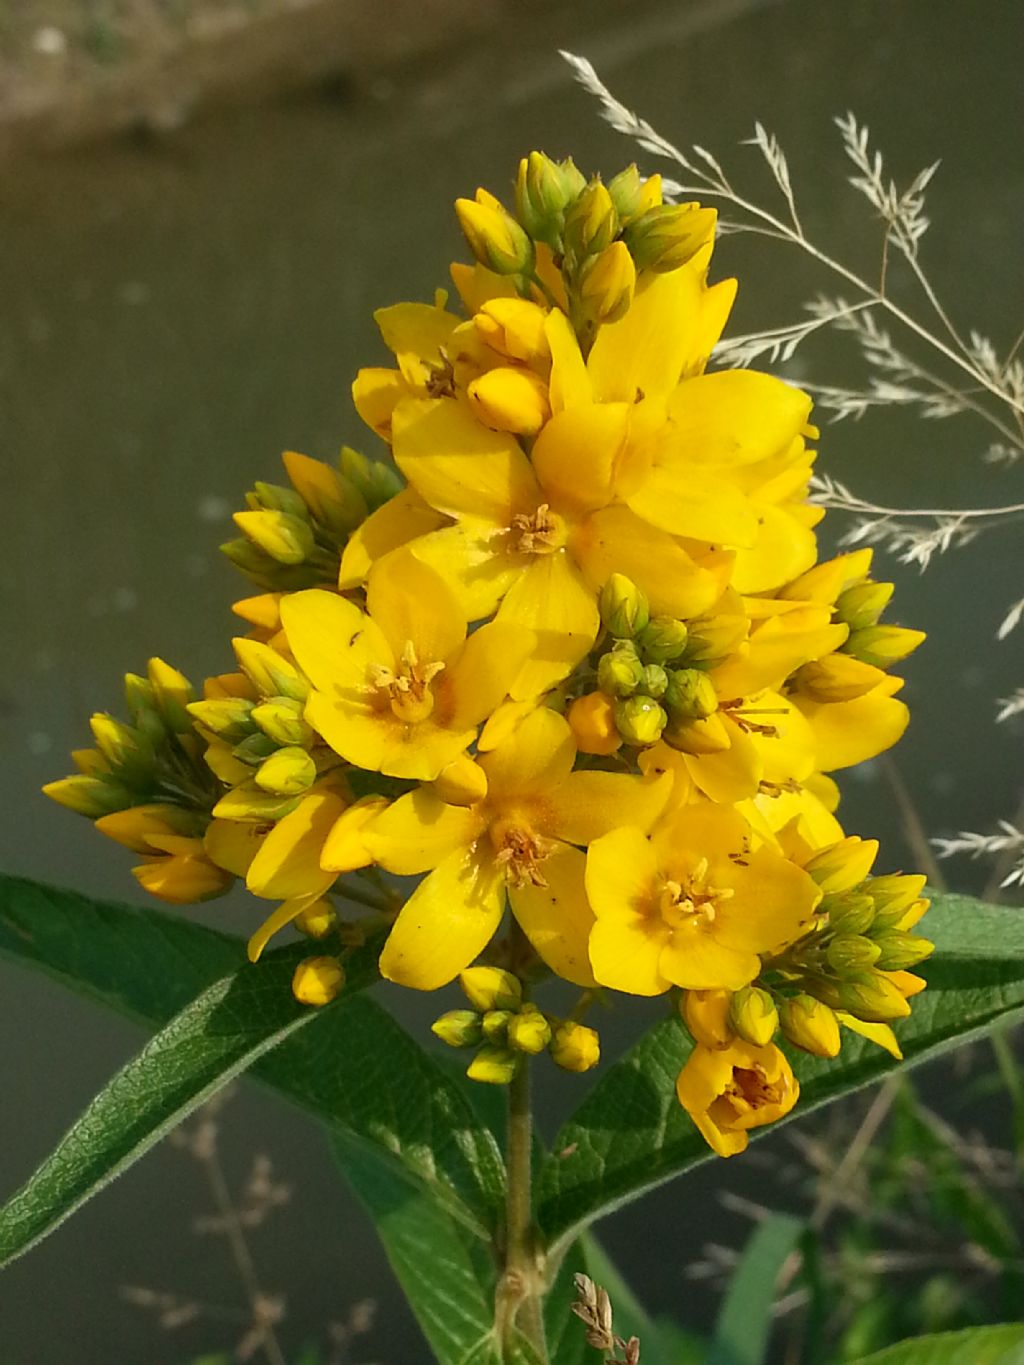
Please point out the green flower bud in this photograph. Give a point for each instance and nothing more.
(624, 608)
(273, 497)
(753, 1016)
(874, 998)
(173, 692)
(591, 223)
(690, 695)
(574, 1047)
(899, 950)
(332, 499)
(882, 646)
(851, 953)
(142, 706)
(495, 1026)
(575, 180)
(662, 640)
(287, 772)
(529, 1031)
(250, 803)
(668, 235)
(654, 681)
(494, 236)
(607, 283)
(318, 980)
(125, 748)
(91, 796)
(458, 1028)
(493, 1066)
(836, 677)
(843, 865)
(286, 539)
(640, 720)
(849, 912)
(281, 720)
(270, 673)
(491, 988)
(254, 749)
(543, 191)
(619, 674)
(626, 190)
(715, 638)
(810, 1025)
(230, 718)
(863, 604)
(894, 894)
(253, 562)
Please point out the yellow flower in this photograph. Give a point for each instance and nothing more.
(518, 841)
(727, 1091)
(692, 906)
(399, 688)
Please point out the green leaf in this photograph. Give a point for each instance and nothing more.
(1003, 1345)
(630, 1133)
(745, 1319)
(350, 1065)
(449, 1279)
(210, 1041)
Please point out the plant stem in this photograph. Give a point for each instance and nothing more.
(520, 1290)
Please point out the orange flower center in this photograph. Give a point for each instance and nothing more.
(693, 899)
(406, 688)
(751, 1089)
(539, 533)
(520, 852)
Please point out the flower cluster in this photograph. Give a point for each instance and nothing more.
(578, 671)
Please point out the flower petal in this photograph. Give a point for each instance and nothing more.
(570, 385)
(688, 500)
(477, 678)
(552, 599)
(698, 960)
(273, 924)
(418, 831)
(334, 643)
(588, 805)
(625, 954)
(576, 455)
(735, 417)
(848, 732)
(647, 350)
(288, 861)
(412, 604)
(459, 466)
(447, 921)
(537, 755)
(475, 560)
(557, 918)
(782, 550)
(401, 519)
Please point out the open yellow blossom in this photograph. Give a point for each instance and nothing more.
(693, 906)
(517, 841)
(729, 1090)
(400, 688)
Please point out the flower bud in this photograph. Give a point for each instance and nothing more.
(898, 951)
(514, 328)
(229, 718)
(851, 953)
(874, 998)
(273, 497)
(494, 237)
(849, 912)
(131, 828)
(690, 695)
(592, 721)
(662, 640)
(667, 236)
(183, 879)
(624, 608)
(495, 1026)
(287, 539)
(317, 920)
(574, 1047)
(640, 720)
(883, 646)
(493, 1066)
(508, 399)
(607, 284)
(591, 223)
(543, 192)
(333, 500)
(91, 796)
(836, 677)
(654, 681)
(462, 782)
(895, 892)
(126, 749)
(842, 865)
(491, 988)
(753, 1016)
(249, 802)
(810, 1025)
(529, 1031)
(318, 980)
(254, 749)
(863, 604)
(626, 190)
(458, 1028)
(287, 772)
(715, 638)
(281, 720)
(706, 1015)
(619, 673)
(270, 673)
(705, 735)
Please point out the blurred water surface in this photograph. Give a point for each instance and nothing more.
(174, 314)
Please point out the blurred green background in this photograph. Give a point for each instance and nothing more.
(188, 296)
